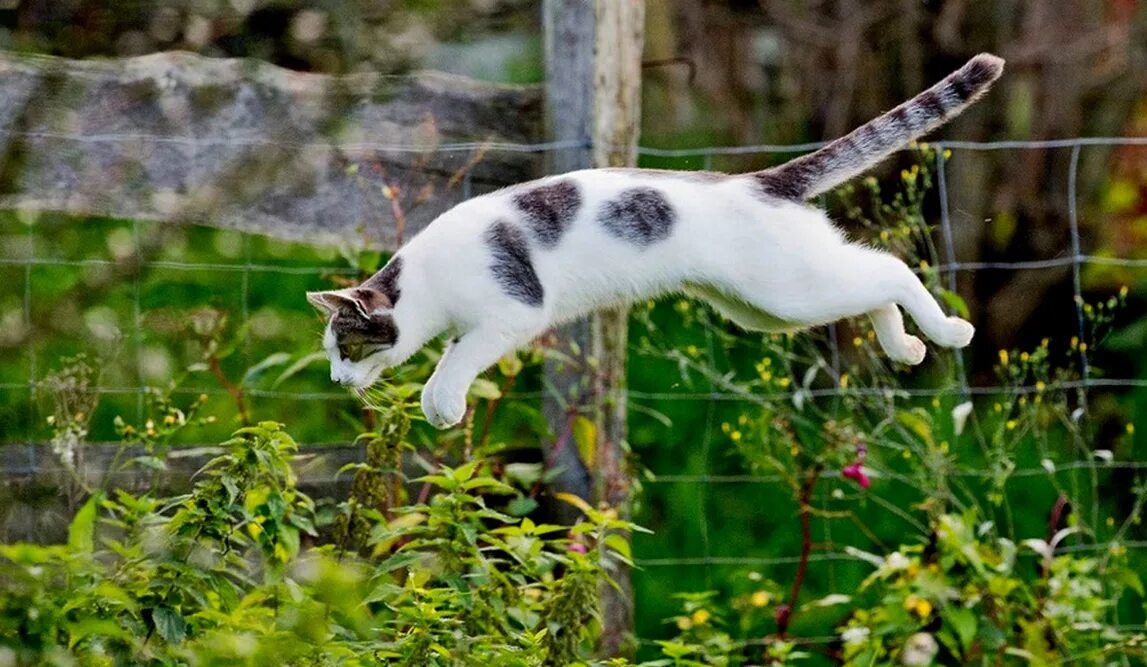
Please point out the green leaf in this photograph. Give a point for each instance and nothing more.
(585, 437)
(81, 534)
(521, 506)
(955, 302)
(510, 364)
(298, 366)
(169, 624)
(963, 622)
(619, 544)
(483, 388)
(916, 424)
(253, 373)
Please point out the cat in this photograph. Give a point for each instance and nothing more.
(498, 270)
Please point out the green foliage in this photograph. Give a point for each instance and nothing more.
(1006, 517)
(229, 573)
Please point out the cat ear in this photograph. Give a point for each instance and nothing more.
(327, 303)
(368, 300)
(365, 300)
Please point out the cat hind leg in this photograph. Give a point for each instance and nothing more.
(898, 344)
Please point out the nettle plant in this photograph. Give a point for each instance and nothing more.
(245, 569)
(974, 584)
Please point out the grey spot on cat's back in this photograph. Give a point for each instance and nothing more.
(512, 267)
(548, 210)
(640, 215)
(386, 280)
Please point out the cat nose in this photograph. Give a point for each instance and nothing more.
(340, 379)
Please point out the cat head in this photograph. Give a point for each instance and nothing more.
(360, 332)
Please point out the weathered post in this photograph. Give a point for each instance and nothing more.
(568, 26)
(593, 92)
(620, 36)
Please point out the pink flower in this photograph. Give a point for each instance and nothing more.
(855, 471)
(781, 615)
(578, 547)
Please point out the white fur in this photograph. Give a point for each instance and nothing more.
(767, 265)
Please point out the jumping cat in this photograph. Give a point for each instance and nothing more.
(498, 270)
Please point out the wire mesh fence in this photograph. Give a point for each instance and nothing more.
(259, 284)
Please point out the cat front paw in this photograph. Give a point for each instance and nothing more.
(428, 407)
(444, 409)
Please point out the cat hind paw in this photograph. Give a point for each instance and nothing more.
(911, 352)
(959, 333)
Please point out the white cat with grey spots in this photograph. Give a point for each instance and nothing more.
(498, 270)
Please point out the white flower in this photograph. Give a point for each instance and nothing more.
(920, 650)
(896, 561)
(854, 635)
(960, 416)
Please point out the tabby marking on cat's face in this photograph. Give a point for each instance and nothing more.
(361, 328)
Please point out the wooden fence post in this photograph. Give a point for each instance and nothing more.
(568, 26)
(593, 92)
(619, 39)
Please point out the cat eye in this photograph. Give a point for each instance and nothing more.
(360, 351)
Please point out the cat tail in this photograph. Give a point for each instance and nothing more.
(812, 174)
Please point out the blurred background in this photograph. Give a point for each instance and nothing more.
(1034, 231)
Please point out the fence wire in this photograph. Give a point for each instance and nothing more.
(252, 266)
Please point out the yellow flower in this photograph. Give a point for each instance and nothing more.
(857, 342)
(1003, 357)
(784, 382)
(735, 436)
(1130, 428)
(844, 380)
(700, 617)
(691, 350)
(921, 606)
(169, 420)
(923, 609)
(1011, 425)
(760, 599)
(1040, 386)
(1123, 292)
(794, 450)
(683, 623)
(1083, 347)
